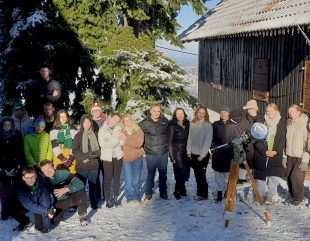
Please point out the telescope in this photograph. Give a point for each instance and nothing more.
(258, 131)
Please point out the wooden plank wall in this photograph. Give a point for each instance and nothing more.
(286, 54)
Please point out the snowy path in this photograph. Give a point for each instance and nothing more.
(187, 220)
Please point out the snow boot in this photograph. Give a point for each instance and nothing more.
(219, 196)
(177, 195)
(117, 203)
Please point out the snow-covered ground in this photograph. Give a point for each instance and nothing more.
(179, 220)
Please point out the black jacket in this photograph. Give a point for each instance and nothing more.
(245, 121)
(11, 156)
(155, 135)
(223, 133)
(177, 143)
(274, 166)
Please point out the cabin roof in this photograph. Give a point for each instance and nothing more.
(235, 17)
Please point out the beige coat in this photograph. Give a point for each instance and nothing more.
(133, 146)
(297, 144)
(110, 143)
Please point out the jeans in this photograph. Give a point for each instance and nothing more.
(132, 172)
(272, 184)
(91, 177)
(153, 163)
(261, 186)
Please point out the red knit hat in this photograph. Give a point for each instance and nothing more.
(95, 106)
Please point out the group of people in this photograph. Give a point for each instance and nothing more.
(46, 163)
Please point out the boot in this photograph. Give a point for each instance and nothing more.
(177, 195)
(109, 204)
(219, 196)
(117, 203)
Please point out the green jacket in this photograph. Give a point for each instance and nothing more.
(64, 178)
(37, 147)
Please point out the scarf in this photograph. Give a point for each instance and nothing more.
(272, 129)
(64, 136)
(89, 135)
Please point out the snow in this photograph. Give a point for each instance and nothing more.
(185, 219)
(37, 17)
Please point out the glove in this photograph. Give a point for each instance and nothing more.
(50, 212)
(303, 166)
(65, 162)
(94, 155)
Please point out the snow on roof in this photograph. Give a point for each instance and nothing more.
(233, 17)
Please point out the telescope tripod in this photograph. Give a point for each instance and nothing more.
(239, 158)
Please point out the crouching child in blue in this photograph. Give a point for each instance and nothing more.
(34, 195)
(67, 189)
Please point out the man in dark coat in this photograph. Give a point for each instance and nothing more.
(155, 128)
(34, 195)
(178, 135)
(245, 118)
(224, 131)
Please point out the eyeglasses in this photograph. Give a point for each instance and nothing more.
(30, 178)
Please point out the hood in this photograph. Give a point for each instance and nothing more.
(22, 119)
(7, 118)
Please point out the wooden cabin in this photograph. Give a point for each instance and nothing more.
(254, 49)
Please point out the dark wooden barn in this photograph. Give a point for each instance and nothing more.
(254, 49)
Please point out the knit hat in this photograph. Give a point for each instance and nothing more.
(224, 108)
(95, 106)
(39, 122)
(251, 104)
(18, 106)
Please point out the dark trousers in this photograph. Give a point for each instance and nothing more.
(10, 205)
(112, 169)
(91, 177)
(75, 199)
(153, 163)
(181, 175)
(295, 178)
(98, 182)
(200, 168)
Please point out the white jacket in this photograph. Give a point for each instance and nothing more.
(110, 143)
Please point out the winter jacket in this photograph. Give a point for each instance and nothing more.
(199, 138)
(36, 199)
(37, 147)
(177, 143)
(155, 135)
(64, 178)
(50, 87)
(223, 133)
(244, 122)
(23, 124)
(297, 139)
(133, 146)
(84, 161)
(272, 166)
(11, 156)
(110, 143)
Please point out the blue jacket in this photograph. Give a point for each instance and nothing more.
(36, 199)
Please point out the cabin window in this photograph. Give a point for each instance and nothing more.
(261, 79)
(216, 73)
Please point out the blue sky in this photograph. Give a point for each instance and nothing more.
(185, 18)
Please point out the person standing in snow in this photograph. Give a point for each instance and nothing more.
(22, 121)
(245, 118)
(49, 116)
(133, 159)
(178, 135)
(198, 145)
(98, 117)
(111, 140)
(224, 131)
(87, 153)
(268, 155)
(11, 160)
(155, 128)
(297, 152)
